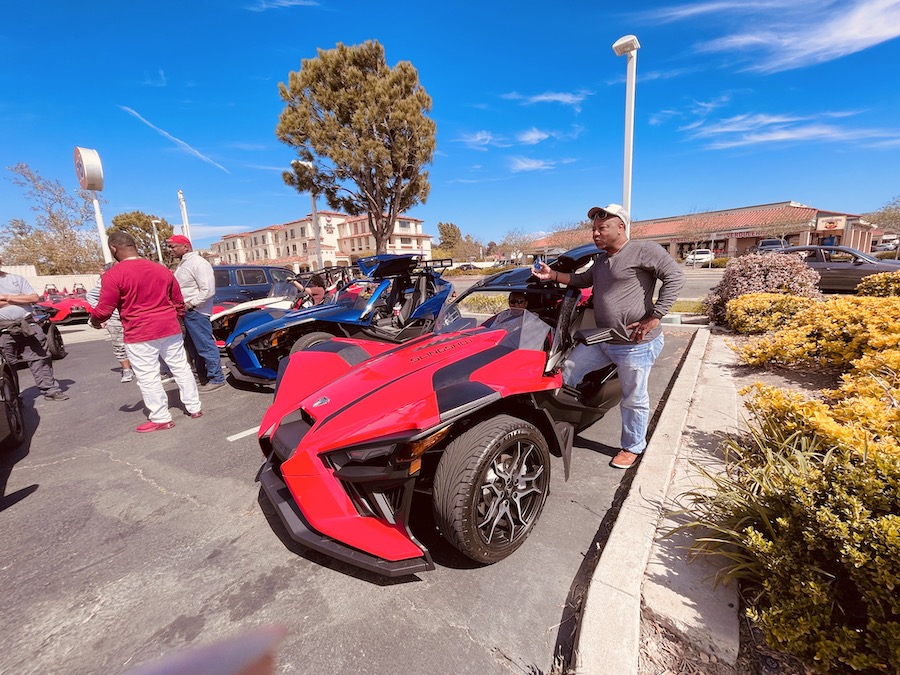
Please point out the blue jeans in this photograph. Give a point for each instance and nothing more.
(634, 363)
(199, 330)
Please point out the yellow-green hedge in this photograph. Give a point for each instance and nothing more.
(880, 285)
(762, 312)
(833, 332)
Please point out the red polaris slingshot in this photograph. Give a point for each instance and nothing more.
(468, 414)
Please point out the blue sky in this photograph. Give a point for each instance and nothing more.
(738, 102)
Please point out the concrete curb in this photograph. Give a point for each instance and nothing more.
(609, 639)
(677, 592)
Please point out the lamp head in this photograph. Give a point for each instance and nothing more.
(626, 44)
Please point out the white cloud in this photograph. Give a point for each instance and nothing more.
(263, 5)
(533, 136)
(482, 140)
(158, 82)
(790, 34)
(518, 164)
(573, 99)
(181, 144)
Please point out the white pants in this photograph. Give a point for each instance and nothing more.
(144, 357)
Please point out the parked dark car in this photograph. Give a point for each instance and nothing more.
(840, 268)
(239, 283)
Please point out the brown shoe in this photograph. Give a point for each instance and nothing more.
(623, 460)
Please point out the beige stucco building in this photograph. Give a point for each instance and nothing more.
(343, 239)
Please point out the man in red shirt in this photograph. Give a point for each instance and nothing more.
(149, 302)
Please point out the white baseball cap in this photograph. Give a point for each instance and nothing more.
(613, 210)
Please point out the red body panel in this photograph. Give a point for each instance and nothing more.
(64, 307)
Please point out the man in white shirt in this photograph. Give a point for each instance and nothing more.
(22, 336)
(198, 286)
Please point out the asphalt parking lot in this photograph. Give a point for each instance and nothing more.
(121, 547)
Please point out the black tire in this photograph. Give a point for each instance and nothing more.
(55, 345)
(309, 340)
(490, 487)
(12, 407)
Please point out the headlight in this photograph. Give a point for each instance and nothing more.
(271, 340)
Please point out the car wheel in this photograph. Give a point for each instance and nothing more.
(55, 345)
(309, 340)
(12, 407)
(490, 487)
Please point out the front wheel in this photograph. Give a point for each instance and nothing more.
(309, 340)
(55, 346)
(490, 487)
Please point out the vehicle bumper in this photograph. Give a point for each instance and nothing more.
(238, 374)
(280, 497)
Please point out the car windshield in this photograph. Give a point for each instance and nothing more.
(525, 329)
(284, 289)
(357, 294)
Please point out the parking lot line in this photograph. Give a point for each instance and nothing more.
(241, 434)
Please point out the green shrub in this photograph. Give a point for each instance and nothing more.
(880, 285)
(813, 535)
(762, 312)
(761, 273)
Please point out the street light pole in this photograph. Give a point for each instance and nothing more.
(628, 46)
(156, 238)
(185, 226)
(315, 215)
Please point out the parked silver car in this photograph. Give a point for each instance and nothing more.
(841, 268)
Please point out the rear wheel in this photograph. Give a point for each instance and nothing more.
(309, 340)
(12, 407)
(490, 487)
(55, 346)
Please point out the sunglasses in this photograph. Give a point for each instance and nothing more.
(518, 302)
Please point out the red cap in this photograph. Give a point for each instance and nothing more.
(178, 239)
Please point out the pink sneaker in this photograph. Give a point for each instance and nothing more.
(148, 426)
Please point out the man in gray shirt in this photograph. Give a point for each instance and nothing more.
(22, 336)
(623, 276)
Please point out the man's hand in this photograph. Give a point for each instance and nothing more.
(543, 271)
(639, 329)
(94, 324)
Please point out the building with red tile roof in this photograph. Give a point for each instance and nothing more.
(732, 232)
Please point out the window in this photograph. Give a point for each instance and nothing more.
(292, 233)
(221, 277)
(404, 224)
(302, 232)
(406, 241)
(251, 277)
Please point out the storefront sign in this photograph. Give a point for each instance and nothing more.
(831, 223)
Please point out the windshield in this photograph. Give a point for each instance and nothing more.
(357, 294)
(498, 310)
(286, 289)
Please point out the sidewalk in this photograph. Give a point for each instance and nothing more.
(641, 571)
